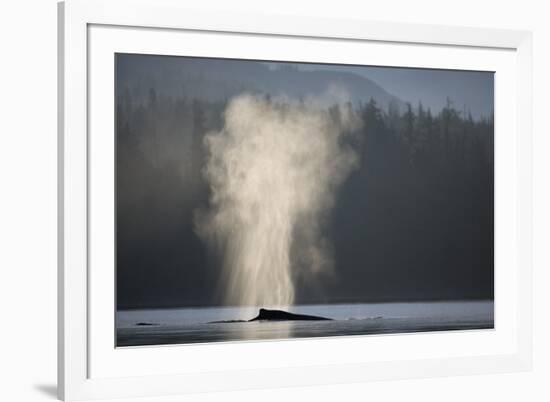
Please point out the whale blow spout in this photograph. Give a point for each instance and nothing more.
(279, 315)
(273, 171)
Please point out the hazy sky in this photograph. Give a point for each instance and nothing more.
(215, 79)
(472, 90)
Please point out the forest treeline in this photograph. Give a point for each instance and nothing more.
(422, 196)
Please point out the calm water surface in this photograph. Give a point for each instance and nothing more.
(194, 325)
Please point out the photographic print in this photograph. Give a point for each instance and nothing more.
(265, 200)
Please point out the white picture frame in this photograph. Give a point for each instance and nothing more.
(90, 367)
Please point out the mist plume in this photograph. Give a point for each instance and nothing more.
(273, 171)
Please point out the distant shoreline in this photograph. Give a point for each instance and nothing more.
(196, 306)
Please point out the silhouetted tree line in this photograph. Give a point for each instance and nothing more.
(422, 198)
(449, 150)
